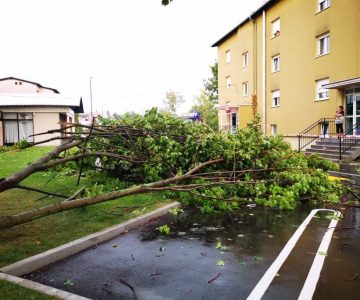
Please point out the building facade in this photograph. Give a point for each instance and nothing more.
(292, 62)
(28, 108)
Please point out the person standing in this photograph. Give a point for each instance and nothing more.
(339, 121)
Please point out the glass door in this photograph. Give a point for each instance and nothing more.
(352, 113)
(233, 123)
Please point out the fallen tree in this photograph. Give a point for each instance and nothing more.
(157, 152)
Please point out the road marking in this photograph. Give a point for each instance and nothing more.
(314, 274)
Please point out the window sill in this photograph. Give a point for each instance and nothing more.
(323, 99)
(273, 106)
(321, 55)
(273, 72)
(320, 11)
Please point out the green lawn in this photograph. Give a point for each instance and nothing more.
(12, 291)
(40, 235)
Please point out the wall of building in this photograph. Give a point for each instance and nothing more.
(301, 24)
(44, 119)
(1, 134)
(300, 67)
(18, 86)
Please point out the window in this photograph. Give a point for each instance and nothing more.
(275, 67)
(323, 4)
(273, 129)
(275, 28)
(228, 56)
(18, 126)
(323, 44)
(245, 59)
(228, 82)
(245, 89)
(275, 96)
(322, 93)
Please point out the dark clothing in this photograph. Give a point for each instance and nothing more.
(339, 128)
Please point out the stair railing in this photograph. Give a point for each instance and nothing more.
(321, 128)
(350, 139)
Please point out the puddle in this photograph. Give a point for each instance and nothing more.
(219, 256)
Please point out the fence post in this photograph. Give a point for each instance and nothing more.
(299, 142)
(340, 149)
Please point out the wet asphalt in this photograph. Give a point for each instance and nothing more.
(219, 256)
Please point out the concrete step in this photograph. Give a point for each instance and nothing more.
(354, 178)
(350, 167)
(347, 154)
(331, 146)
(331, 156)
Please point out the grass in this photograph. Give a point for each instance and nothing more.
(31, 238)
(12, 291)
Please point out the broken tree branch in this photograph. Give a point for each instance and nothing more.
(27, 216)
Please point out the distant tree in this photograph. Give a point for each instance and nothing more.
(211, 84)
(207, 110)
(166, 2)
(172, 101)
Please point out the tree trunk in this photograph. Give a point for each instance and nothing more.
(23, 217)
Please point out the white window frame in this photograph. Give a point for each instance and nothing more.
(321, 93)
(275, 28)
(228, 56)
(274, 129)
(323, 44)
(245, 88)
(275, 66)
(323, 4)
(245, 59)
(275, 98)
(228, 82)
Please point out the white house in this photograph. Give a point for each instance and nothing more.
(28, 108)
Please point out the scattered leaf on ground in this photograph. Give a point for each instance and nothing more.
(220, 263)
(68, 282)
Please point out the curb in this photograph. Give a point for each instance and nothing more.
(41, 288)
(38, 261)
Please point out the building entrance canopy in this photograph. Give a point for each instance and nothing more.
(343, 84)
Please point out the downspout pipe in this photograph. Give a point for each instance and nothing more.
(263, 98)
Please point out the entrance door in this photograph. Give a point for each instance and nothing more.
(352, 113)
(233, 123)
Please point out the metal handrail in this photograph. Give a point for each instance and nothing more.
(324, 126)
(349, 140)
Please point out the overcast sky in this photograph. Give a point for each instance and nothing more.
(135, 50)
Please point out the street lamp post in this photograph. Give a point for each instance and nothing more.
(91, 100)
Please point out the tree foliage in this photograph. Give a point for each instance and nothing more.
(211, 84)
(158, 152)
(207, 110)
(172, 101)
(166, 2)
(277, 176)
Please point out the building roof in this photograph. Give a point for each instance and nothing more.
(32, 82)
(343, 83)
(41, 100)
(266, 5)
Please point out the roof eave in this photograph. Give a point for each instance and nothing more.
(253, 15)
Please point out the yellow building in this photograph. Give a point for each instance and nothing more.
(293, 62)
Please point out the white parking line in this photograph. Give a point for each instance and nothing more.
(313, 276)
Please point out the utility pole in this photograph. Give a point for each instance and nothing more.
(91, 100)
